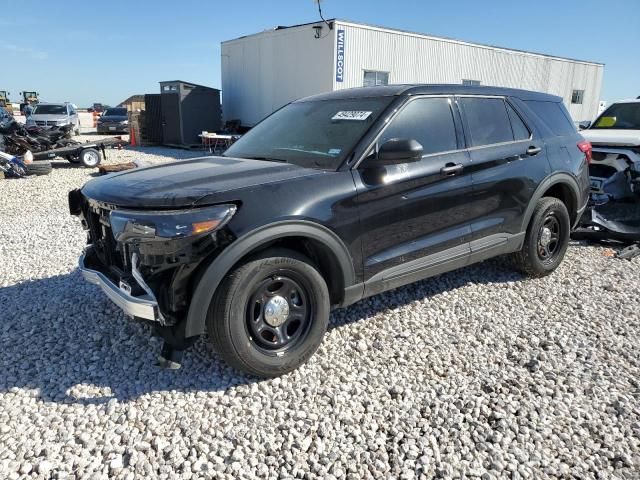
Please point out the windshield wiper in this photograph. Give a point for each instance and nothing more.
(268, 159)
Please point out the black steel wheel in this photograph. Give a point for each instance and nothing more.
(549, 237)
(280, 311)
(269, 315)
(546, 240)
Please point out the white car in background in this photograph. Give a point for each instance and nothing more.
(47, 115)
(615, 136)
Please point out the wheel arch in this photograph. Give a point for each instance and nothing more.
(561, 186)
(312, 239)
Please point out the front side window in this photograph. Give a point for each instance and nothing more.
(577, 96)
(313, 134)
(427, 120)
(373, 79)
(487, 120)
(625, 116)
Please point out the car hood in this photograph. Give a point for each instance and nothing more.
(199, 181)
(49, 117)
(612, 137)
(113, 118)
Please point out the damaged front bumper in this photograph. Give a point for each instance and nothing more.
(144, 306)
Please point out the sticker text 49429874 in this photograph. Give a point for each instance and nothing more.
(358, 115)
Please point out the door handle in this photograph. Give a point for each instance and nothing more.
(531, 151)
(451, 169)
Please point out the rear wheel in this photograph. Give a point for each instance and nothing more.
(270, 314)
(90, 157)
(546, 240)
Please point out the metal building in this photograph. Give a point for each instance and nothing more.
(264, 71)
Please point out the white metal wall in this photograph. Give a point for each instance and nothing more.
(413, 58)
(262, 72)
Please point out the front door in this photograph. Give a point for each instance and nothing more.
(415, 216)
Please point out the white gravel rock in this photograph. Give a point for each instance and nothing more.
(478, 373)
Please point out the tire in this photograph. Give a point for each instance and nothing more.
(549, 224)
(240, 309)
(90, 157)
(38, 168)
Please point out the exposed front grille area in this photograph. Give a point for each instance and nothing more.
(102, 238)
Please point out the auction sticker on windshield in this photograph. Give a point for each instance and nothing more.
(358, 115)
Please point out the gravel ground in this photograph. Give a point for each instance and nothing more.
(476, 373)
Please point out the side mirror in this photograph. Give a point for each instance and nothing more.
(584, 125)
(396, 151)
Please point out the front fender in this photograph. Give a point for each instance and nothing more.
(223, 263)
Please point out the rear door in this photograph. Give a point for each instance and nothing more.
(410, 213)
(508, 161)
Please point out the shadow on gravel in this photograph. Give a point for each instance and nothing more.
(64, 164)
(496, 270)
(62, 338)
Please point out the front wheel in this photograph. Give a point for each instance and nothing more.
(270, 314)
(546, 240)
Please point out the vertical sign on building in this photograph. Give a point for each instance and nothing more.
(340, 56)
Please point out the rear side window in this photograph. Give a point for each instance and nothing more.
(427, 120)
(553, 115)
(487, 120)
(520, 130)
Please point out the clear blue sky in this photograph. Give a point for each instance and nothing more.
(84, 51)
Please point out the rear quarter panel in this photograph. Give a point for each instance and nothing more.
(563, 153)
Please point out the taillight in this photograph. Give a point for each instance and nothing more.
(585, 147)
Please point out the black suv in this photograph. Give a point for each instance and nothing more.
(331, 199)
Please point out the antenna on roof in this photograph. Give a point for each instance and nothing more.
(320, 12)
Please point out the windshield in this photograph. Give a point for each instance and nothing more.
(623, 116)
(51, 109)
(316, 134)
(116, 112)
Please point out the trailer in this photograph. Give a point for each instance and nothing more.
(89, 154)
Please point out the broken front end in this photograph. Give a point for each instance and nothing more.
(148, 262)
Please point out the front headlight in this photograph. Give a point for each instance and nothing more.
(62, 122)
(125, 122)
(165, 225)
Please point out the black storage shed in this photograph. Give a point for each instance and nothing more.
(187, 110)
